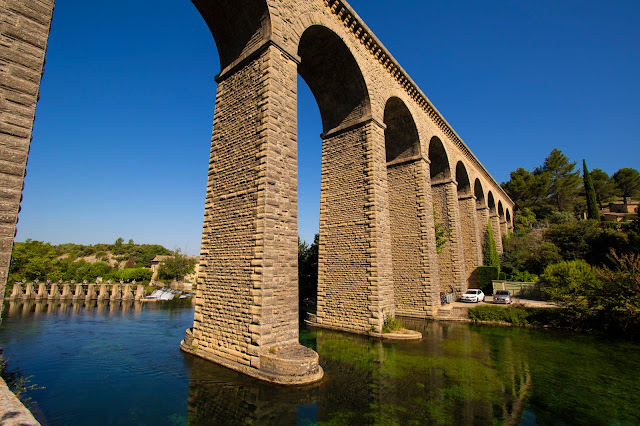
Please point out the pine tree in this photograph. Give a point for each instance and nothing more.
(592, 203)
(564, 180)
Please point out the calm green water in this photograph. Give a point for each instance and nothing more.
(120, 364)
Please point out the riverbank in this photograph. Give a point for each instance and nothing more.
(12, 411)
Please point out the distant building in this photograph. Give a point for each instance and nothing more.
(155, 264)
(617, 211)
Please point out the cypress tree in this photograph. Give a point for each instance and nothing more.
(592, 203)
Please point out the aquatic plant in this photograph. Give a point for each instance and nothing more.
(17, 382)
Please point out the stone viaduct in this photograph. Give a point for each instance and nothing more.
(391, 166)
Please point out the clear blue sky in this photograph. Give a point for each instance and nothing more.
(122, 133)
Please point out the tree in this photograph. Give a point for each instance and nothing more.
(604, 188)
(523, 221)
(308, 268)
(627, 182)
(529, 191)
(176, 267)
(592, 204)
(564, 181)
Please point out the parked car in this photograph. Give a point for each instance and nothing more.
(502, 296)
(473, 295)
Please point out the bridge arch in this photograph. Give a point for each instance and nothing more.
(479, 193)
(491, 203)
(440, 169)
(462, 178)
(236, 26)
(504, 226)
(334, 77)
(482, 211)
(401, 134)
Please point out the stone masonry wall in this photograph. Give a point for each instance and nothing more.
(247, 298)
(378, 227)
(451, 257)
(24, 30)
(410, 292)
(428, 252)
(470, 239)
(343, 288)
(497, 234)
(482, 214)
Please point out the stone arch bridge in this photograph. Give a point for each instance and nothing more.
(391, 166)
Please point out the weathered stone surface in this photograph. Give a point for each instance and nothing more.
(24, 30)
(12, 412)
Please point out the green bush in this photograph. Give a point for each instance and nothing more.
(130, 274)
(618, 301)
(391, 324)
(524, 277)
(486, 274)
(568, 281)
(520, 315)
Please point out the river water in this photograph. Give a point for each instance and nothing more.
(120, 364)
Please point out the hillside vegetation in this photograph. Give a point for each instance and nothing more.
(36, 260)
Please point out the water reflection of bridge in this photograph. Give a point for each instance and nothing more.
(471, 379)
(28, 307)
(76, 291)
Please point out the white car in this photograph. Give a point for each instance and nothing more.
(473, 295)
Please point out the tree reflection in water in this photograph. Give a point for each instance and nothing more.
(457, 374)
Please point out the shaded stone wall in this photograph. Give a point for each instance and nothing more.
(504, 228)
(471, 241)
(482, 214)
(412, 271)
(497, 233)
(355, 282)
(451, 257)
(24, 31)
